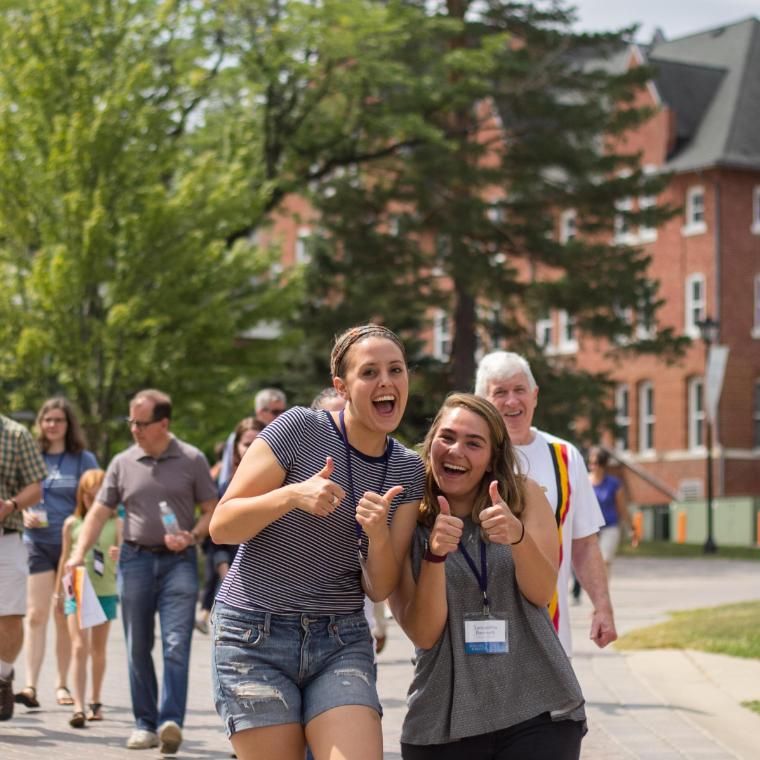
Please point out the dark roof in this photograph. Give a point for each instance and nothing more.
(712, 82)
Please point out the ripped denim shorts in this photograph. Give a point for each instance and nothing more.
(270, 669)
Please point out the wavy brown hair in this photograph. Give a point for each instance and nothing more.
(247, 423)
(75, 440)
(503, 465)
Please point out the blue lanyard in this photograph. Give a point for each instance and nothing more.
(359, 531)
(57, 474)
(482, 576)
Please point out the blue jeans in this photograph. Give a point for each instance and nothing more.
(167, 584)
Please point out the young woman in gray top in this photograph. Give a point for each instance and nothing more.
(491, 678)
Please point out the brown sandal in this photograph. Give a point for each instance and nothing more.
(95, 712)
(27, 697)
(77, 720)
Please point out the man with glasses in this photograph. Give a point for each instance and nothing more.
(22, 470)
(157, 568)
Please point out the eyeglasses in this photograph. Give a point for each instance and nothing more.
(140, 425)
(53, 420)
(273, 412)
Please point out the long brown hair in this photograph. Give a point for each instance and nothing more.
(90, 480)
(75, 441)
(503, 465)
(247, 423)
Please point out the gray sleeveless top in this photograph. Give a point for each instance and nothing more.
(454, 695)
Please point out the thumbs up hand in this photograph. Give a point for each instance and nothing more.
(372, 512)
(447, 530)
(319, 495)
(497, 521)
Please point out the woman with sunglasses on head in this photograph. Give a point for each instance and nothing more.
(324, 504)
(66, 457)
(491, 680)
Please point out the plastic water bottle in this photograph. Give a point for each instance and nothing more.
(168, 518)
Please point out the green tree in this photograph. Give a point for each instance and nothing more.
(115, 217)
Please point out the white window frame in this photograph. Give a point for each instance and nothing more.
(624, 232)
(695, 308)
(441, 336)
(568, 228)
(567, 340)
(302, 254)
(756, 307)
(755, 228)
(696, 416)
(623, 417)
(647, 417)
(647, 234)
(695, 223)
(545, 337)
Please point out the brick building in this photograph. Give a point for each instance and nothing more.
(706, 132)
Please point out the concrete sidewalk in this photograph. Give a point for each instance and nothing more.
(660, 704)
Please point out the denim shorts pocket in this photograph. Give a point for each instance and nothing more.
(238, 633)
(350, 630)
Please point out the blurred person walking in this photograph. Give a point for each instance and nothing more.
(22, 470)
(100, 562)
(610, 492)
(218, 557)
(64, 450)
(159, 476)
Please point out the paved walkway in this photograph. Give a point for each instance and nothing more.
(647, 705)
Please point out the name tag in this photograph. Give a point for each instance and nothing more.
(485, 634)
(98, 562)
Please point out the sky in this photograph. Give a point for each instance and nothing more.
(677, 18)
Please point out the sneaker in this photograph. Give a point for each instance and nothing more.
(170, 737)
(142, 739)
(7, 698)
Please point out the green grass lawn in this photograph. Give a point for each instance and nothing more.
(732, 629)
(754, 705)
(668, 549)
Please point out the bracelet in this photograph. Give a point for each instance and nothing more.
(428, 556)
(15, 504)
(522, 535)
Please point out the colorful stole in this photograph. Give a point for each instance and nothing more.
(559, 457)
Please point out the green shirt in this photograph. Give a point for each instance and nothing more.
(104, 585)
(21, 464)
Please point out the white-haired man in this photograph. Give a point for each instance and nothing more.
(506, 380)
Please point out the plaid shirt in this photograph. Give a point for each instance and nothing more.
(20, 464)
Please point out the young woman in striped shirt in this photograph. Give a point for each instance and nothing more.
(324, 505)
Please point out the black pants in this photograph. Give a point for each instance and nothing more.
(539, 738)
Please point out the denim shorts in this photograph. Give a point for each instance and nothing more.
(270, 669)
(43, 557)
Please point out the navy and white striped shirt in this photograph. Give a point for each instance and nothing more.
(301, 562)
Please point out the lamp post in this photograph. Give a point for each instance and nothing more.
(708, 330)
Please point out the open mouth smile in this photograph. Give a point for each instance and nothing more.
(385, 405)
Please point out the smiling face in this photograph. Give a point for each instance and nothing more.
(461, 454)
(53, 425)
(246, 439)
(375, 386)
(516, 402)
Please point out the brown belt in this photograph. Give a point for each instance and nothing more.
(150, 549)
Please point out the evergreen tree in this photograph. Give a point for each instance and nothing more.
(526, 118)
